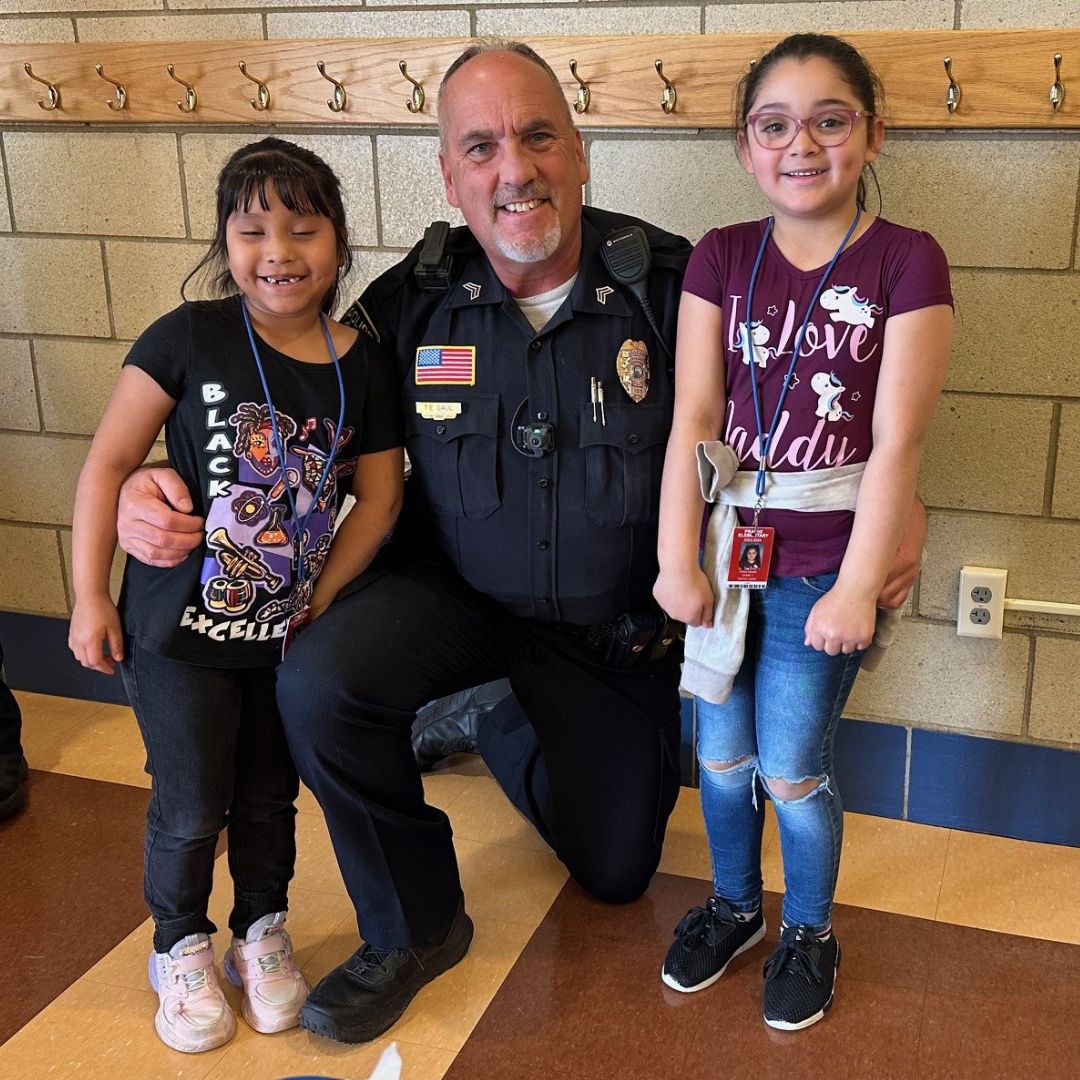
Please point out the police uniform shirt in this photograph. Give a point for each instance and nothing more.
(570, 535)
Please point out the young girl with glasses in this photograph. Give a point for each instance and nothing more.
(812, 348)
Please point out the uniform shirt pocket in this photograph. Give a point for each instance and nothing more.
(624, 460)
(456, 460)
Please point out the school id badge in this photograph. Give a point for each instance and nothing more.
(751, 554)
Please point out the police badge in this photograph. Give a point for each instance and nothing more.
(632, 367)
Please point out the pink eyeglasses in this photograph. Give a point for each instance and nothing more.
(830, 127)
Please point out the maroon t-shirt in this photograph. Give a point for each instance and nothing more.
(827, 416)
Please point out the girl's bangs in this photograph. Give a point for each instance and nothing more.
(299, 194)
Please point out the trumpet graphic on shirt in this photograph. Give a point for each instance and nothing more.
(242, 566)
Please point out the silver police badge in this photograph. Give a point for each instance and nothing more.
(632, 367)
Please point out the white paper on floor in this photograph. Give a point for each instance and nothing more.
(389, 1066)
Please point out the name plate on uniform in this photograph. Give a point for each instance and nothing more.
(439, 410)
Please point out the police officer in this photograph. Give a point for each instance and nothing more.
(537, 402)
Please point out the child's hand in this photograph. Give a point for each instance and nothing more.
(841, 622)
(92, 622)
(686, 595)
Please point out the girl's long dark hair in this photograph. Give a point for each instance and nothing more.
(854, 70)
(303, 182)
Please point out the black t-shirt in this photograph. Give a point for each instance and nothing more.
(226, 605)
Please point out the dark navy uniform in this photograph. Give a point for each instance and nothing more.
(506, 563)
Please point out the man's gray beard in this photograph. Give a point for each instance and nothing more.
(530, 251)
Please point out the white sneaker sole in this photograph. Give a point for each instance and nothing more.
(750, 942)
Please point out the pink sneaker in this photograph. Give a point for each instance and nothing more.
(193, 1014)
(274, 989)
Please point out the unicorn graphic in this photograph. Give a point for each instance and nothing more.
(828, 389)
(759, 337)
(847, 306)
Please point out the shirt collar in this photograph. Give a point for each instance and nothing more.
(594, 292)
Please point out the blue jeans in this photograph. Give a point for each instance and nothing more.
(217, 755)
(781, 718)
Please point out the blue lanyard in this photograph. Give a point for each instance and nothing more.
(765, 442)
(279, 446)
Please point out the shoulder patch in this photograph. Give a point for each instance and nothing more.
(357, 317)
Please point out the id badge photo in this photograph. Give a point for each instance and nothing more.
(751, 554)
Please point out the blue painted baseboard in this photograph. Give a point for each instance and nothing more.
(956, 781)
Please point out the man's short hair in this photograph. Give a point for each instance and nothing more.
(496, 45)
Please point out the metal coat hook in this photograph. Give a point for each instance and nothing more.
(191, 98)
(952, 95)
(416, 102)
(120, 100)
(340, 98)
(1057, 91)
(671, 95)
(53, 89)
(261, 102)
(581, 102)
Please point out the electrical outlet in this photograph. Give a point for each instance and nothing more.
(981, 608)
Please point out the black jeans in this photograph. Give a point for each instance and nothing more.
(218, 757)
(10, 720)
(588, 752)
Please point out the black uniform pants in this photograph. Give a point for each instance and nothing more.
(595, 764)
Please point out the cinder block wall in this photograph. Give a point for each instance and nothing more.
(98, 227)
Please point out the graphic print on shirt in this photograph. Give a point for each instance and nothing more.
(251, 542)
(828, 389)
(847, 306)
(840, 333)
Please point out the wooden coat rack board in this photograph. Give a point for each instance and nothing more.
(1000, 79)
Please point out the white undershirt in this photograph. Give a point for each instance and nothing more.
(539, 309)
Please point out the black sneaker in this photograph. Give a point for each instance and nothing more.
(13, 774)
(800, 977)
(706, 941)
(363, 997)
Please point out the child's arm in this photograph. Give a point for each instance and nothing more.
(378, 488)
(682, 589)
(913, 365)
(137, 409)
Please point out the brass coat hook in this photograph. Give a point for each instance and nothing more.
(416, 102)
(671, 95)
(191, 98)
(1057, 91)
(952, 95)
(581, 102)
(340, 98)
(261, 102)
(53, 89)
(120, 100)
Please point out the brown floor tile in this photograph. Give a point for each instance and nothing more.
(71, 886)
(981, 1038)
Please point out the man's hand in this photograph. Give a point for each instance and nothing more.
(908, 559)
(154, 521)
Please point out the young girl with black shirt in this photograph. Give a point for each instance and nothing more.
(273, 412)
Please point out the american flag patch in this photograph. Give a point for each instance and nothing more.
(446, 365)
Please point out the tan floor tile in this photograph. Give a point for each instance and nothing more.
(1014, 886)
(92, 1035)
(515, 884)
(106, 745)
(443, 788)
(298, 1052)
(306, 803)
(49, 723)
(22, 1057)
(484, 813)
(686, 848)
(316, 865)
(891, 865)
(446, 1010)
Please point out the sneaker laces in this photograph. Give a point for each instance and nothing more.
(711, 924)
(793, 957)
(194, 981)
(368, 956)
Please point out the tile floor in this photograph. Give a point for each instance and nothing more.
(909, 888)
